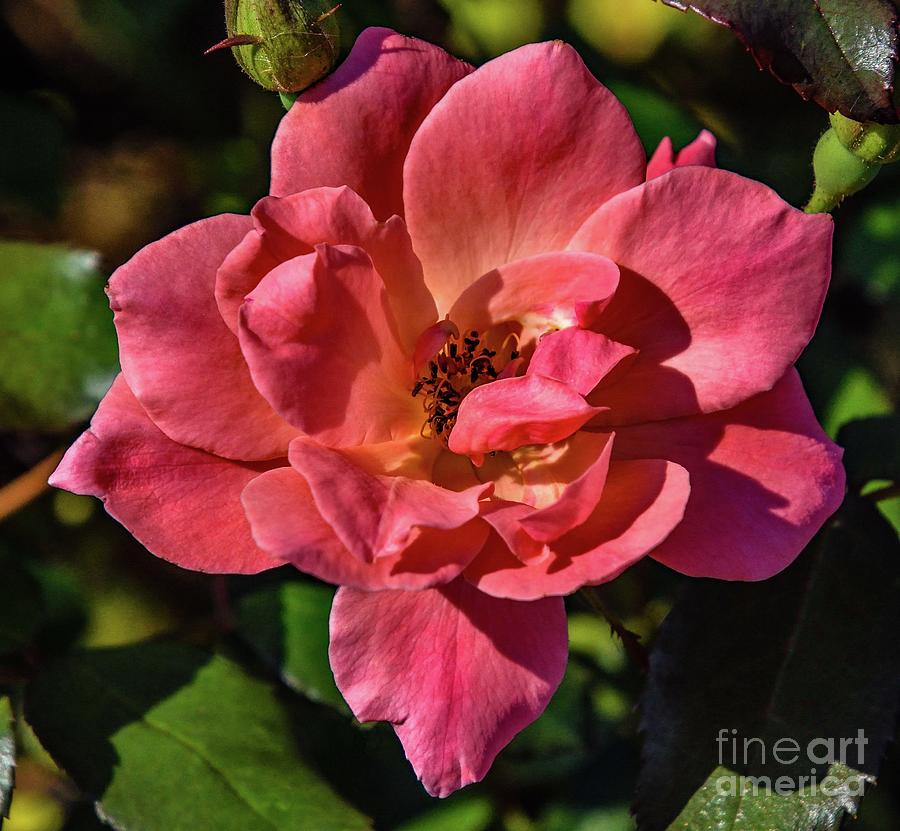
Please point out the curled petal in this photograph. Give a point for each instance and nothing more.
(642, 502)
(378, 516)
(287, 523)
(506, 519)
(321, 343)
(182, 504)
(581, 495)
(543, 493)
(577, 357)
(289, 227)
(456, 672)
(431, 341)
(507, 414)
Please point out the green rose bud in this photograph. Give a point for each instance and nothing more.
(283, 45)
(875, 143)
(839, 173)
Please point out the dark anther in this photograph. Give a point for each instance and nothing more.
(455, 370)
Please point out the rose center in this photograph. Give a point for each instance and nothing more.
(463, 363)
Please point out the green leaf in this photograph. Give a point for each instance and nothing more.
(841, 53)
(872, 449)
(572, 818)
(655, 116)
(168, 738)
(465, 812)
(729, 802)
(810, 654)
(858, 395)
(57, 342)
(287, 625)
(7, 757)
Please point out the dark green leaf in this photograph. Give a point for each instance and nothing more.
(40, 605)
(840, 53)
(7, 757)
(20, 605)
(57, 342)
(166, 737)
(810, 654)
(287, 625)
(872, 448)
(728, 802)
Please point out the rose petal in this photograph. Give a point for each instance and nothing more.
(295, 225)
(577, 357)
(506, 167)
(178, 356)
(579, 473)
(764, 477)
(287, 524)
(378, 516)
(457, 673)
(542, 292)
(182, 504)
(354, 127)
(507, 414)
(431, 341)
(721, 288)
(506, 519)
(538, 475)
(322, 347)
(701, 151)
(581, 495)
(642, 502)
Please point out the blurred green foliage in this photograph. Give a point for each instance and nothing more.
(114, 130)
(49, 309)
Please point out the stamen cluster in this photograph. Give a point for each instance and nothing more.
(463, 363)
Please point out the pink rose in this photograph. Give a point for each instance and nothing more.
(462, 362)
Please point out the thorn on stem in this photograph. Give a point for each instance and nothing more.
(631, 641)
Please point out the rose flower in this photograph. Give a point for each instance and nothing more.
(469, 356)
